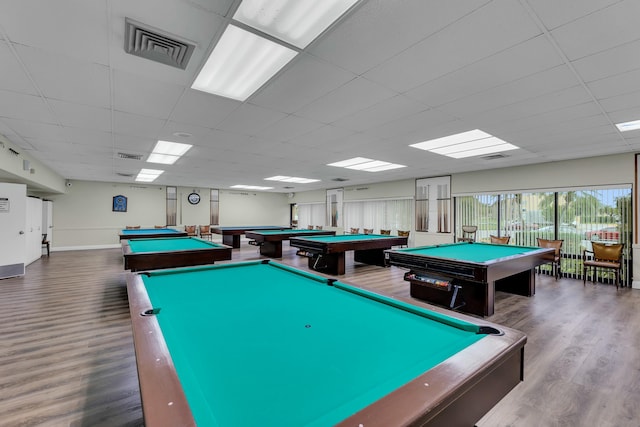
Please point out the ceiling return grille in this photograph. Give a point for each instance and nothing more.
(153, 44)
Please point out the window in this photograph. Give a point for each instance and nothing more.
(311, 214)
(214, 209)
(433, 204)
(391, 215)
(577, 216)
(172, 205)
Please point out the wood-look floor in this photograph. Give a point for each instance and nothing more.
(67, 358)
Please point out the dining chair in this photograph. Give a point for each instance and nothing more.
(606, 256)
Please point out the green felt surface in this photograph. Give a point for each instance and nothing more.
(170, 244)
(292, 231)
(346, 237)
(259, 345)
(475, 252)
(151, 231)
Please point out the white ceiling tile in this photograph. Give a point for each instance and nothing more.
(386, 111)
(57, 77)
(290, 127)
(356, 95)
(611, 62)
(81, 116)
(616, 85)
(70, 28)
(527, 58)
(382, 29)
(604, 29)
(477, 35)
(305, 80)
(144, 96)
(13, 75)
(25, 107)
(133, 124)
(249, 119)
(203, 109)
(532, 86)
(554, 13)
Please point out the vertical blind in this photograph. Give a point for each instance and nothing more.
(578, 217)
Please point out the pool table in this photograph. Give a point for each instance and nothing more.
(270, 241)
(465, 276)
(149, 254)
(263, 344)
(150, 233)
(231, 235)
(327, 253)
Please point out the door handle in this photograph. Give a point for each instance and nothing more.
(21, 232)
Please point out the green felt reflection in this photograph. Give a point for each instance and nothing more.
(258, 345)
(278, 232)
(346, 237)
(475, 252)
(170, 244)
(151, 231)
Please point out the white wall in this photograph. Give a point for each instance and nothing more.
(83, 217)
(605, 170)
(42, 179)
(253, 208)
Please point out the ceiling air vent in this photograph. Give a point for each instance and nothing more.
(340, 179)
(494, 157)
(130, 156)
(153, 44)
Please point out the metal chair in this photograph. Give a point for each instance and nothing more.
(190, 229)
(555, 258)
(603, 255)
(504, 240)
(385, 232)
(468, 233)
(205, 232)
(368, 231)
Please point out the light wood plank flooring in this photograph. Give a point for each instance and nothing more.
(67, 359)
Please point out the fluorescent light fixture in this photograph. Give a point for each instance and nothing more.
(627, 126)
(167, 152)
(466, 144)
(350, 162)
(364, 164)
(297, 22)
(148, 175)
(240, 64)
(173, 148)
(251, 187)
(291, 179)
(162, 158)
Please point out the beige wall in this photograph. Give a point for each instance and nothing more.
(83, 216)
(605, 170)
(42, 181)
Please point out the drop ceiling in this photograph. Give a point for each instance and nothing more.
(549, 77)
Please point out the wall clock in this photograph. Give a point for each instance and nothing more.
(193, 198)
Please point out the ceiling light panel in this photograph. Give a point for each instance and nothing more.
(173, 148)
(466, 144)
(148, 175)
(240, 64)
(294, 179)
(297, 22)
(368, 165)
(627, 126)
(350, 162)
(250, 187)
(164, 159)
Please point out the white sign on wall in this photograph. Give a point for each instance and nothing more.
(4, 204)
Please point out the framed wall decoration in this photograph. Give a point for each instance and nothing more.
(119, 203)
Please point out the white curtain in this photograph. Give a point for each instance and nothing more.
(391, 215)
(311, 214)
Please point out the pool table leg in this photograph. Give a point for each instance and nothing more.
(370, 256)
(232, 240)
(271, 249)
(328, 263)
